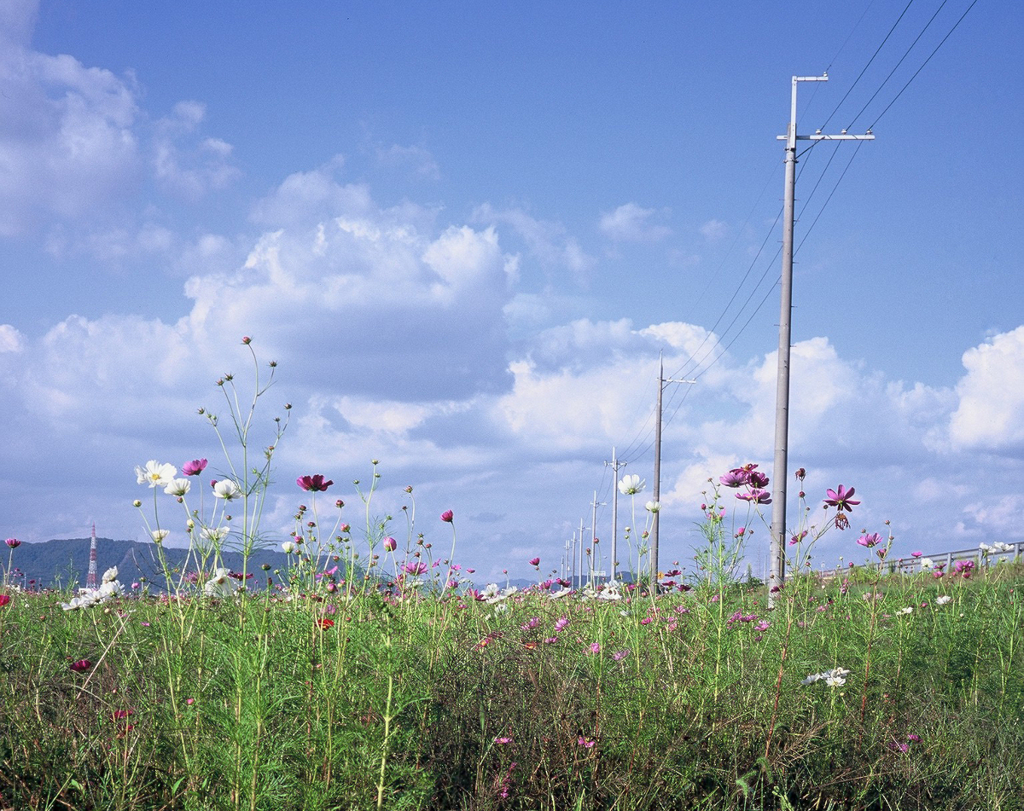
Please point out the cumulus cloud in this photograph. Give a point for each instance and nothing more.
(547, 241)
(188, 165)
(631, 223)
(990, 413)
(10, 339)
(67, 145)
(377, 297)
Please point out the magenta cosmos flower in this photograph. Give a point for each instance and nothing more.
(4, 600)
(869, 541)
(535, 562)
(194, 468)
(314, 483)
(390, 544)
(447, 516)
(737, 477)
(14, 543)
(840, 499)
(80, 666)
(757, 479)
(756, 496)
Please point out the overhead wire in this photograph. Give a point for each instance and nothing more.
(864, 69)
(698, 369)
(896, 67)
(643, 441)
(926, 61)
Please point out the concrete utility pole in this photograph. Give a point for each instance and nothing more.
(581, 553)
(777, 575)
(653, 545)
(615, 465)
(595, 559)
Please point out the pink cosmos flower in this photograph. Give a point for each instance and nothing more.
(535, 562)
(756, 496)
(737, 477)
(869, 541)
(390, 544)
(194, 468)
(314, 483)
(840, 499)
(757, 479)
(447, 516)
(13, 543)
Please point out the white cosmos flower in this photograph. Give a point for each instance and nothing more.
(159, 535)
(215, 534)
(927, 563)
(908, 610)
(227, 490)
(219, 585)
(288, 547)
(492, 594)
(999, 546)
(943, 599)
(155, 473)
(653, 506)
(109, 587)
(836, 677)
(177, 487)
(631, 484)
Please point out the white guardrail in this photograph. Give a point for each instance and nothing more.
(982, 555)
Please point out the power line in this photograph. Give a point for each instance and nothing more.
(905, 55)
(864, 69)
(926, 61)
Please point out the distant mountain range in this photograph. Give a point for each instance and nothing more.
(63, 563)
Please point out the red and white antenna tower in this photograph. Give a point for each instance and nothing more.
(91, 581)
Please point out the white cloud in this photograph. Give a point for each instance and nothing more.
(714, 230)
(67, 146)
(192, 170)
(631, 223)
(416, 160)
(10, 339)
(990, 414)
(548, 241)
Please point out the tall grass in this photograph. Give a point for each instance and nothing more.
(368, 676)
(263, 702)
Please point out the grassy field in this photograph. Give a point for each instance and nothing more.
(688, 700)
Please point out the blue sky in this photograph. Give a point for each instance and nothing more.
(465, 231)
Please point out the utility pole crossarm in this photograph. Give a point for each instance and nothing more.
(867, 136)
